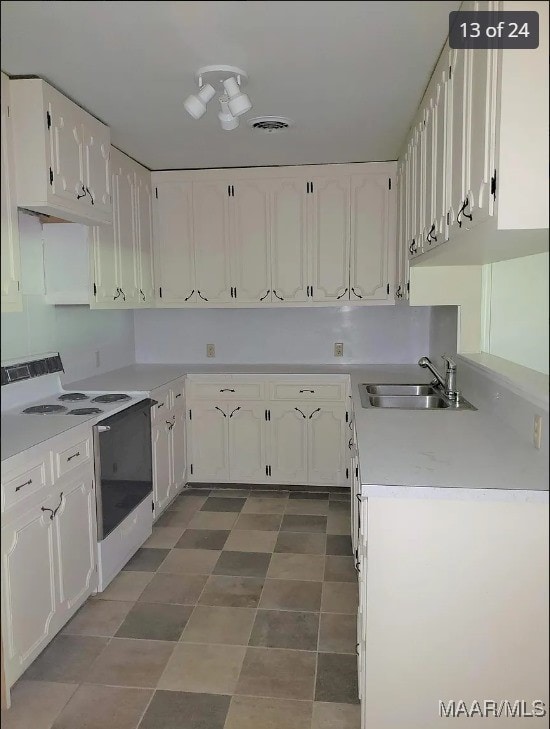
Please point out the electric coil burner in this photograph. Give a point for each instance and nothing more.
(74, 396)
(112, 397)
(85, 411)
(45, 409)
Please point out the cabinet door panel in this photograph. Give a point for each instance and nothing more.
(330, 238)
(66, 151)
(440, 164)
(212, 241)
(179, 446)
(250, 260)
(418, 199)
(76, 537)
(428, 175)
(28, 605)
(370, 236)
(289, 251)
(247, 451)
(327, 451)
(10, 260)
(458, 139)
(288, 443)
(105, 256)
(174, 245)
(125, 234)
(208, 448)
(144, 235)
(162, 462)
(97, 150)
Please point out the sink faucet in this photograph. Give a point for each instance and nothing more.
(447, 383)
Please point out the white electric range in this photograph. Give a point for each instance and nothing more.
(121, 424)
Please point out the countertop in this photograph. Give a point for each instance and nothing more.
(21, 432)
(425, 449)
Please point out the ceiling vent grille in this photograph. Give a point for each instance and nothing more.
(270, 124)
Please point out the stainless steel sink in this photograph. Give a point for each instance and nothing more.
(400, 389)
(409, 397)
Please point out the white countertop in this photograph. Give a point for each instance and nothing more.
(434, 449)
(21, 432)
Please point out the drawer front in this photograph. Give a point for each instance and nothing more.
(19, 484)
(72, 456)
(226, 391)
(178, 394)
(308, 391)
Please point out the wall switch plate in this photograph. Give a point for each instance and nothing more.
(338, 349)
(537, 432)
(210, 350)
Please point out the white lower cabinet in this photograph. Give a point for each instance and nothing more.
(327, 459)
(162, 465)
(208, 443)
(288, 444)
(168, 444)
(247, 442)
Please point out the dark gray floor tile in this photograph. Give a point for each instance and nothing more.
(279, 673)
(175, 589)
(259, 522)
(146, 560)
(338, 633)
(339, 507)
(246, 564)
(339, 544)
(154, 621)
(183, 710)
(336, 678)
(67, 659)
(203, 539)
(285, 629)
(300, 543)
(232, 591)
(104, 707)
(343, 495)
(301, 523)
(340, 569)
(309, 495)
(219, 503)
(128, 662)
(176, 517)
(291, 595)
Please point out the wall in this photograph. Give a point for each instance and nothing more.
(75, 331)
(516, 295)
(377, 334)
(443, 332)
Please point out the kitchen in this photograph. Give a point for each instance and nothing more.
(286, 359)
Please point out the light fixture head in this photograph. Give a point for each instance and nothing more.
(195, 104)
(227, 120)
(239, 103)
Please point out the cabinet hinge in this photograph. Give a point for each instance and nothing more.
(448, 218)
(190, 415)
(19, 286)
(347, 416)
(388, 289)
(389, 183)
(152, 506)
(49, 119)
(270, 470)
(8, 108)
(347, 472)
(494, 185)
(191, 469)
(95, 290)
(157, 193)
(356, 471)
(160, 292)
(51, 176)
(450, 71)
(267, 470)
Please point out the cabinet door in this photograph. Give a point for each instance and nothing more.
(97, 179)
(289, 249)
(328, 454)
(417, 202)
(105, 257)
(9, 241)
(458, 139)
(144, 237)
(428, 173)
(76, 539)
(481, 105)
(212, 241)
(125, 233)
(247, 448)
(208, 452)
(250, 256)
(371, 216)
(330, 238)
(288, 443)
(162, 461)
(440, 102)
(174, 245)
(178, 442)
(67, 180)
(28, 588)
(401, 257)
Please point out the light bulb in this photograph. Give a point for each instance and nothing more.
(238, 103)
(227, 120)
(195, 104)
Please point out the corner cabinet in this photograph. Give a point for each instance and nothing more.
(10, 261)
(274, 237)
(61, 155)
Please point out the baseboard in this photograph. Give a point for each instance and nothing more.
(269, 487)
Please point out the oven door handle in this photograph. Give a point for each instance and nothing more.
(103, 428)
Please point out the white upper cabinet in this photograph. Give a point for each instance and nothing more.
(289, 244)
(174, 248)
(212, 237)
(125, 231)
(61, 155)
(144, 234)
(10, 262)
(439, 100)
(372, 232)
(459, 207)
(250, 255)
(330, 238)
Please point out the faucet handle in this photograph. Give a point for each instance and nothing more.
(451, 364)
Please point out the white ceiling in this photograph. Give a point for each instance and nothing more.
(350, 74)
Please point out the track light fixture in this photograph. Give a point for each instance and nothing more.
(229, 80)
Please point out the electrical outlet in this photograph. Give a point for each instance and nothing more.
(97, 359)
(338, 349)
(537, 432)
(210, 350)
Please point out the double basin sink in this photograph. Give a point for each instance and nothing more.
(409, 397)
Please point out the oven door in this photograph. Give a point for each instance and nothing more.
(123, 464)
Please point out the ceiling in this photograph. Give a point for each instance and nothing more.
(350, 74)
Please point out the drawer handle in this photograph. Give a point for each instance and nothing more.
(202, 297)
(190, 295)
(227, 389)
(234, 411)
(359, 296)
(312, 391)
(265, 295)
(344, 292)
(27, 483)
(178, 395)
(73, 456)
(160, 405)
(315, 411)
(281, 298)
(301, 413)
(221, 411)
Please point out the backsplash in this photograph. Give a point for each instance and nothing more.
(77, 332)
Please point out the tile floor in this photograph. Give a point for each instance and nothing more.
(238, 613)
